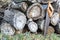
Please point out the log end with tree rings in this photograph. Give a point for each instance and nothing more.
(35, 11)
(41, 24)
(50, 30)
(24, 6)
(7, 29)
(55, 19)
(19, 21)
(33, 27)
(50, 10)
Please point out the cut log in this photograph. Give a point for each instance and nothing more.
(4, 2)
(33, 1)
(57, 28)
(15, 18)
(17, 1)
(33, 27)
(50, 30)
(23, 6)
(55, 19)
(19, 21)
(8, 16)
(35, 11)
(7, 29)
(41, 24)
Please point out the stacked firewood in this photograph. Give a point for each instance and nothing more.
(15, 15)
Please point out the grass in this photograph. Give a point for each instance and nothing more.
(29, 36)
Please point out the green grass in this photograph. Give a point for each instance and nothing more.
(29, 36)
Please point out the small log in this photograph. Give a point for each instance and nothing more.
(35, 11)
(55, 19)
(55, 6)
(23, 6)
(57, 28)
(41, 24)
(7, 29)
(58, 1)
(50, 30)
(33, 27)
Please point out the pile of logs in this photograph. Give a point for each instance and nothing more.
(36, 14)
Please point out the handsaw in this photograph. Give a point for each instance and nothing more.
(48, 15)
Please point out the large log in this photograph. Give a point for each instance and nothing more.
(7, 29)
(35, 11)
(19, 21)
(15, 18)
(55, 18)
(33, 27)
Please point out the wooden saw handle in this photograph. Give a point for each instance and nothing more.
(50, 9)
